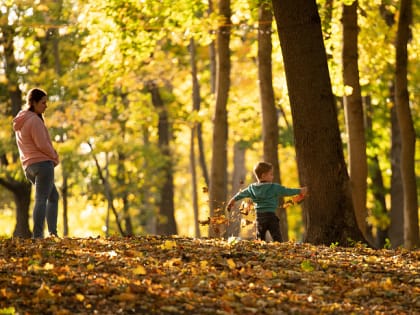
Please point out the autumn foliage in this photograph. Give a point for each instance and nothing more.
(173, 275)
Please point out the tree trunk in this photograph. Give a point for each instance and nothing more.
(353, 109)
(408, 136)
(377, 186)
(396, 230)
(196, 99)
(194, 183)
(328, 208)
(380, 210)
(166, 224)
(124, 194)
(269, 112)
(22, 196)
(238, 179)
(64, 194)
(21, 190)
(15, 94)
(212, 57)
(218, 177)
(107, 191)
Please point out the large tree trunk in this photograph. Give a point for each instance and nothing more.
(21, 190)
(408, 136)
(218, 177)
(166, 224)
(328, 208)
(269, 112)
(353, 109)
(22, 196)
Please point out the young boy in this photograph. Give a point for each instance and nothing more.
(265, 195)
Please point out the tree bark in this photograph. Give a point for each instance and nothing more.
(166, 224)
(212, 57)
(377, 186)
(21, 190)
(218, 177)
(238, 179)
(328, 208)
(196, 99)
(353, 109)
(405, 122)
(269, 112)
(396, 230)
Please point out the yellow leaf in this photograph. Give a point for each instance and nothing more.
(231, 263)
(80, 297)
(204, 264)
(44, 292)
(140, 270)
(168, 245)
(371, 259)
(90, 267)
(387, 283)
(172, 262)
(48, 266)
(126, 297)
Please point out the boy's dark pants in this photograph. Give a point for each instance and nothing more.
(268, 221)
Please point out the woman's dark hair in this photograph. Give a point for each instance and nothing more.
(34, 95)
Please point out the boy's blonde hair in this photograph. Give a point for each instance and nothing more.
(261, 168)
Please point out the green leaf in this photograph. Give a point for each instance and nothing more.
(307, 266)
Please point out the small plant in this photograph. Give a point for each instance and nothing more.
(355, 244)
(307, 266)
(334, 245)
(387, 244)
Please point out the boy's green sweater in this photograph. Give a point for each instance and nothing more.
(266, 195)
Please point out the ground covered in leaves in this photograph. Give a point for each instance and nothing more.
(171, 275)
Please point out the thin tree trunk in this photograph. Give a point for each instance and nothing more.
(196, 99)
(405, 122)
(238, 179)
(353, 107)
(328, 208)
(218, 179)
(379, 208)
(212, 57)
(194, 183)
(396, 230)
(107, 191)
(64, 194)
(269, 111)
(124, 195)
(166, 224)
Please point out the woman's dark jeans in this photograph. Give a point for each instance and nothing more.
(46, 197)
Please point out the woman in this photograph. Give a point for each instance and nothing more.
(38, 159)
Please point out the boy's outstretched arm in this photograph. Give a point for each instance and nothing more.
(301, 196)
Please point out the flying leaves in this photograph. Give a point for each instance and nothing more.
(174, 275)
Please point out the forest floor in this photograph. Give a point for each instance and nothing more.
(174, 275)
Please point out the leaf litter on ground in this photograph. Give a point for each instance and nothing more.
(177, 275)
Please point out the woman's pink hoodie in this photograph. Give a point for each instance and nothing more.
(32, 139)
